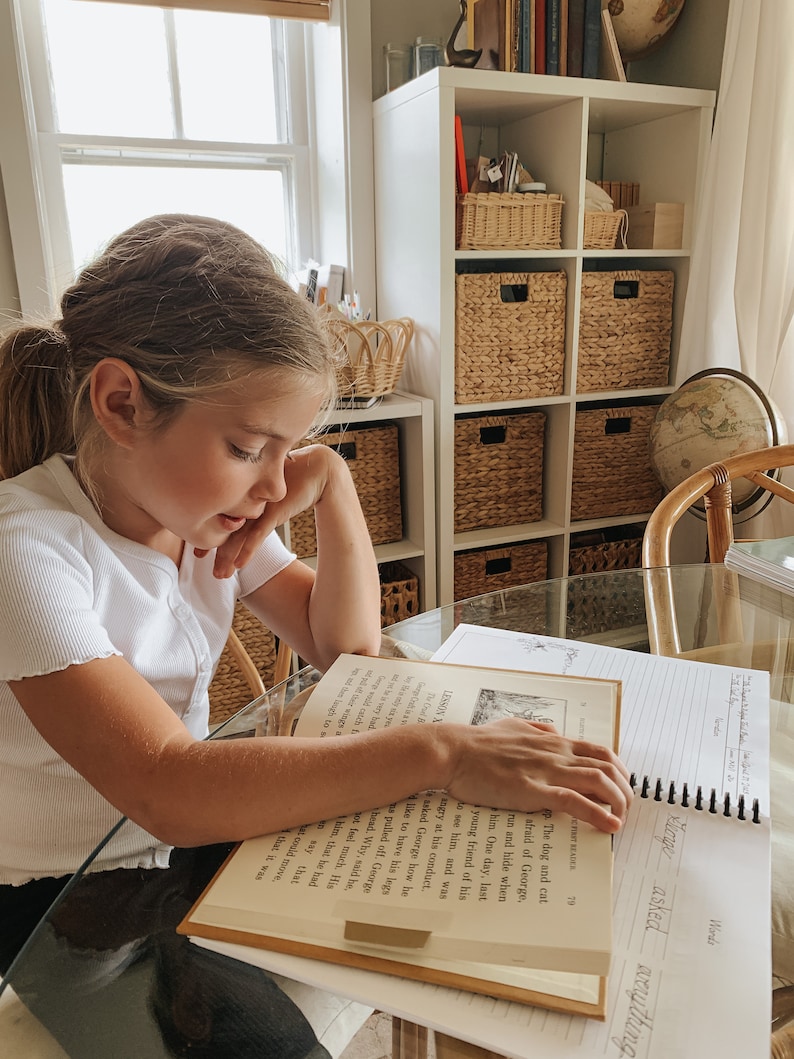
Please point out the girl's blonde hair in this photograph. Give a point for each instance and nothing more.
(190, 303)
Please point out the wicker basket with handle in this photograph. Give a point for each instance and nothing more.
(612, 472)
(508, 221)
(490, 569)
(509, 335)
(498, 469)
(373, 456)
(625, 328)
(603, 229)
(373, 354)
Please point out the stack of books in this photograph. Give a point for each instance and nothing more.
(770, 561)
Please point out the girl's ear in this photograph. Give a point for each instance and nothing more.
(117, 400)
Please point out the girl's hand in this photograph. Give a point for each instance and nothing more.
(307, 472)
(517, 764)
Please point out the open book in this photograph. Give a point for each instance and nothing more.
(515, 905)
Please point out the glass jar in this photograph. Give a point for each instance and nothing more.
(399, 60)
(428, 52)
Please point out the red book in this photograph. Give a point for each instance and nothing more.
(540, 37)
(461, 176)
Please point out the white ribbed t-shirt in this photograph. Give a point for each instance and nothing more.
(72, 590)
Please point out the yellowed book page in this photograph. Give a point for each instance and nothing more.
(430, 878)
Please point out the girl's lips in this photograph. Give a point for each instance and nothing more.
(231, 524)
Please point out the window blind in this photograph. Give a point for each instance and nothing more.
(308, 10)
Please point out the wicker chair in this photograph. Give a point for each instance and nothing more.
(712, 484)
(251, 661)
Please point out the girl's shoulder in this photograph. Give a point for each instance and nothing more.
(49, 486)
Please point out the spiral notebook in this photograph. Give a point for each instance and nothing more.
(691, 960)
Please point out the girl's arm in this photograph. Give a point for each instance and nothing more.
(109, 724)
(336, 608)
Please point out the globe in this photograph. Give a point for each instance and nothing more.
(712, 416)
(642, 25)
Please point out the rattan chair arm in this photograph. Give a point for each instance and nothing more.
(247, 667)
(759, 478)
(283, 662)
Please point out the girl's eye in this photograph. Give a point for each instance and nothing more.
(243, 454)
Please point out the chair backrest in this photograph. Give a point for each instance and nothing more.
(713, 485)
(251, 662)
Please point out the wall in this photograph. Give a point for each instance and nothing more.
(9, 292)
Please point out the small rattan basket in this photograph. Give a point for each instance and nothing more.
(604, 229)
(497, 221)
(374, 354)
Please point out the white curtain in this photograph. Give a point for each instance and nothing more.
(740, 298)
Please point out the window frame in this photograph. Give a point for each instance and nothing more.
(35, 165)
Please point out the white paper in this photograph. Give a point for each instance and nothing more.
(691, 970)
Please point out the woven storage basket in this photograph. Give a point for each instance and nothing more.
(612, 473)
(510, 349)
(625, 325)
(508, 221)
(491, 569)
(399, 593)
(373, 456)
(603, 229)
(498, 469)
(229, 690)
(619, 549)
(374, 354)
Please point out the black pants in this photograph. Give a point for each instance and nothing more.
(108, 974)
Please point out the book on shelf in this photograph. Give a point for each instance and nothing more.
(575, 39)
(552, 36)
(515, 905)
(540, 36)
(610, 63)
(691, 949)
(769, 561)
(461, 172)
(591, 47)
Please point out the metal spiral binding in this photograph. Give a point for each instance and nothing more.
(711, 803)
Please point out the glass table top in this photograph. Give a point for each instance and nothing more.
(109, 945)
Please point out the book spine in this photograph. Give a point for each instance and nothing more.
(563, 47)
(525, 65)
(540, 37)
(552, 36)
(591, 45)
(575, 37)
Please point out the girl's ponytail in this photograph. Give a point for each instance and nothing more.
(36, 398)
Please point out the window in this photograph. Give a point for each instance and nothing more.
(141, 110)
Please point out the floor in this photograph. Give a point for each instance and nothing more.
(373, 1040)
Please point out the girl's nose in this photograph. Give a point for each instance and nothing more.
(271, 484)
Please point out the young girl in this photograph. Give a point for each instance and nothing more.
(148, 446)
